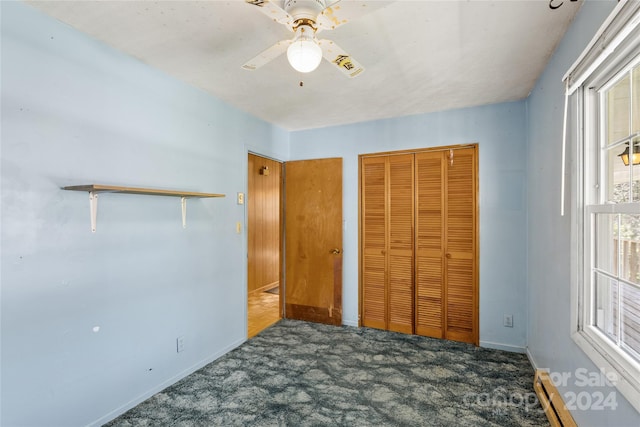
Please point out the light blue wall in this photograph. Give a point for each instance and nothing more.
(75, 111)
(549, 234)
(500, 132)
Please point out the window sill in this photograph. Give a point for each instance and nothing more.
(612, 363)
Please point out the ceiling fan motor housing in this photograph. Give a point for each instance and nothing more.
(304, 9)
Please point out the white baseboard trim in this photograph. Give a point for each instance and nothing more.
(531, 360)
(347, 322)
(505, 347)
(144, 396)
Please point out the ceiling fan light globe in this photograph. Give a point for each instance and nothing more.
(304, 55)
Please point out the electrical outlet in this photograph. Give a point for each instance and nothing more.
(179, 344)
(508, 320)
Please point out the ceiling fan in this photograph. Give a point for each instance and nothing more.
(306, 18)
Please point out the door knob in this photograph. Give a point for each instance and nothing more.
(448, 255)
(336, 251)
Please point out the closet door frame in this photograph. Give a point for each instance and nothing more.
(476, 227)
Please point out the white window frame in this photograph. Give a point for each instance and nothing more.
(616, 43)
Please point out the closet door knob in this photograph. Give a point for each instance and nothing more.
(336, 251)
(448, 255)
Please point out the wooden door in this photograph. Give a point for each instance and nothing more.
(313, 240)
(387, 242)
(419, 237)
(446, 245)
(461, 269)
(429, 261)
(400, 243)
(373, 224)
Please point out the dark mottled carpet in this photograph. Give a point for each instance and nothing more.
(305, 374)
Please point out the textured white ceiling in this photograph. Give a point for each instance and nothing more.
(419, 55)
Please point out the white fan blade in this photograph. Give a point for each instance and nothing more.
(341, 59)
(267, 56)
(341, 12)
(272, 11)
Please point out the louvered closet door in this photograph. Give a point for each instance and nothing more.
(400, 245)
(430, 174)
(419, 243)
(460, 246)
(374, 242)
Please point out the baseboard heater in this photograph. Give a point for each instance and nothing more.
(551, 401)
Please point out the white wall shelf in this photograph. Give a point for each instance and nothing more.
(95, 189)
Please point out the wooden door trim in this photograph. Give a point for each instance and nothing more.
(281, 289)
(279, 231)
(476, 258)
(360, 241)
(417, 150)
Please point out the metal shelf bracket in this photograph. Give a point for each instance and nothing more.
(93, 208)
(183, 202)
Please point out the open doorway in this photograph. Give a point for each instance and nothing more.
(264, 215)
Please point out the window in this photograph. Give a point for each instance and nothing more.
(611, 309)
(606, 82)
(613, 217)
